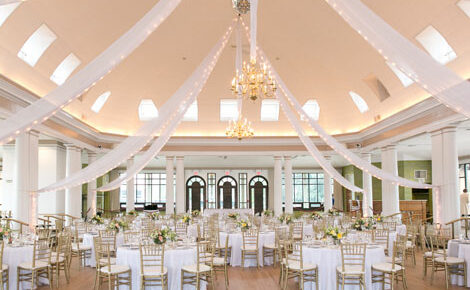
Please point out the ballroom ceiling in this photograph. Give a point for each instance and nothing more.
(316, 53)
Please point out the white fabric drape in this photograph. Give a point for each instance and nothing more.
(5, 2)
(238, 63)
(254, 27)
(47, 106)
(134, 144)
(441, 82)
(204, 70)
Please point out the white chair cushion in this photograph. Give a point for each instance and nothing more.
(81, 246)
(270, 246)
(115, 269)
(386, 267)
(249, 248)
(104, 261)
(294, 265)
(54, 259)
(219, 261)
(193, 268)
(450, 260)
(389, 260)
(29, 265)
(350, 269)
(154, 271)
(4, 267)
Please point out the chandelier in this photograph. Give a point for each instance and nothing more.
(241, 6)
(253, 82)
(239, 129)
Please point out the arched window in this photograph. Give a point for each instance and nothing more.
(259, 192)
(195, 193)
(227, 196)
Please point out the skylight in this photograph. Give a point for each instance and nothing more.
(65, 69)
(228, 109)
(463, 4)
(147, 110)
(6, 10)
(404, 79)
(312, 109)
(36, 45)
(100, 101)
(359, 101)
(191, 113)
(269, 110)
(436, 45)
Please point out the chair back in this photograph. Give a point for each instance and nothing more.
(108, 237)
(43, 234)
(152, 256)
(353, 255)
(381, 237)
(181, 229)
(41, 252)
(250, 239)
(129, 235)
(293, 252)
(297, 230)
(205, 253)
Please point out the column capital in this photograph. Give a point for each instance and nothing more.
(277, 158)
(70, 146)
(91, 153)
(33, 132)
(449, 128)
(389, 147)
(287, 157)
(179, 157)
(170, 158)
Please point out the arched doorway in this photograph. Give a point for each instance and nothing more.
(195, 193)
(259, 192)
(227, 193)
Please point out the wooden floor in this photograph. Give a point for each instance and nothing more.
(253, 279)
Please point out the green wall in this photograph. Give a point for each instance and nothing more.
(102, 197)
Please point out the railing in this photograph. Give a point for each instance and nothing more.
(20, 223)
(453, 222)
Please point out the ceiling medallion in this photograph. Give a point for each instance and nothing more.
(241, 6)
(239, 129)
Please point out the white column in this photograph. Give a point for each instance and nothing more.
(130, 195)
(328, 201)
(26, 177)
(367, 197)
(277, 185)
(180, 184)
(390, 197)
(170, 193)
(91, 189)
(446, 201)
(73, 196)
(288, 183)
(7, 199)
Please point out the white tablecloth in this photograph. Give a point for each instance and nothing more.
(401, 230)
(88, 240)
(174, 261)
(225, 211)
(327, 259)
(235, 240)
(462, 250)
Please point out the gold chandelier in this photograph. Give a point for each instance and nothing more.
(253, 82)
(239, 129)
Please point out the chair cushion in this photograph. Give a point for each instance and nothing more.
(249, 248)
(104, 261)
(350, 269)
(154, 271)
(60, 259)
(115, 269)
(29, 265)
(450, 260)
(295, 265)
(389, 260)
(270, 246)
(193, 268)
(81, 246)
(219, 261)
(5, 267)
(386, 267)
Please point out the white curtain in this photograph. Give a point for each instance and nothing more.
(4, 2)
(44, 108)
(205, 69)
(441, 82)
(134, 144)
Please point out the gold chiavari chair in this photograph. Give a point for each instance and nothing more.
(381, 237)
(203, 269)
(272, 250)
(152, 271)
(220, 264)
(115, 275)
(449, 265)
(5, 276)
(352, 269)
(295, 266)
(181, 230)
(108, 237)
(429, 256)
(79, 250)
(388, 272)
(38, 267)
(129, 235)
(389, 225)
(250, 247)
(296, 230)
(43, 234)
(59, 259)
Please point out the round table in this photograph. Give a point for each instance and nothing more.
(88, 240)
(328, 258)
(235, 241)
(175, 259)
(461, 249)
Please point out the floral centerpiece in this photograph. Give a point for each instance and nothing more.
(233, 215)
(186, 218)
(333, 212)
(4, 232)
(315, 215)
(155, 216)
(243, 224)
(285, 218)
(268, 213)
(132, 212)
(97, 220)
(365, 223)
(335, 233)
(195, 213)
(378, 218)
(117, 225)
(160, 237)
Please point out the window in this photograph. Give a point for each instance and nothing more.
(308, 187)
(404, 79)
(191, 113)
(463, 4)
(228, 110)
(436, 45)
(100, 101)
(359, 101)
(211, 191)
(6, 10)
(312, 109)
(242, 184)
(147, 110)
(65, 69)
(149, 188)
(36, 45)
(270, 110)
(464, 176)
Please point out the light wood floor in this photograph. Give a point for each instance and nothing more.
(253, 279)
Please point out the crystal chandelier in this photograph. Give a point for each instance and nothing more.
(239, 129)
(241, 6)
(253, 82)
